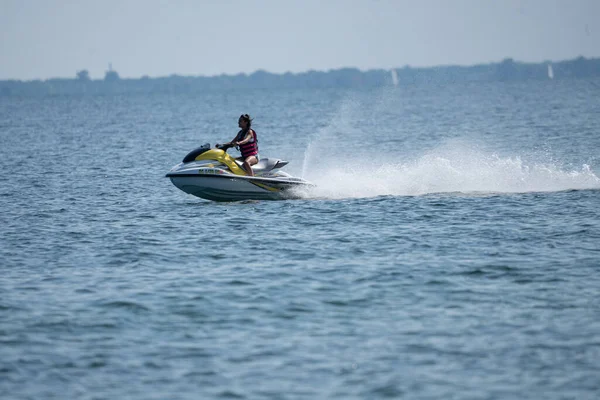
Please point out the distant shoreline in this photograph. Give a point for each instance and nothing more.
(506, 70)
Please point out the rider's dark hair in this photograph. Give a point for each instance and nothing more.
(246, 118)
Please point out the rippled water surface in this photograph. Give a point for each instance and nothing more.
(451, 248)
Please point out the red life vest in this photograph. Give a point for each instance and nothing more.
(250, 148)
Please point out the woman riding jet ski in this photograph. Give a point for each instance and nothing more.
(247, 141)
(212, 174)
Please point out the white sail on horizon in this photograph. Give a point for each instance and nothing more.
(394, 77)
(550, 71)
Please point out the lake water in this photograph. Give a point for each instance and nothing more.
(451, 248)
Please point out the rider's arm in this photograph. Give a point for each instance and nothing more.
(246, 139)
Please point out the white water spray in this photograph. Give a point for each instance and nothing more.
(458, 167)
(448, 172)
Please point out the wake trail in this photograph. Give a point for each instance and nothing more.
(460, 170)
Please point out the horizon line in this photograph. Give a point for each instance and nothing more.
(261, 70)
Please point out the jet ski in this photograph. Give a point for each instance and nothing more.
(212, 174)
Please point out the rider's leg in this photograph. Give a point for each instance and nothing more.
(248, 163)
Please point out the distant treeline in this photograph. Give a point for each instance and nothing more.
(507, 70)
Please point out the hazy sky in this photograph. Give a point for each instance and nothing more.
(56, 38)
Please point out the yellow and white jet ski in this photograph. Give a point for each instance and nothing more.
(212, 174)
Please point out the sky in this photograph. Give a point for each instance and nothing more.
(41, 39)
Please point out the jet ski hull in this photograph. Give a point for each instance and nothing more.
(231, 188)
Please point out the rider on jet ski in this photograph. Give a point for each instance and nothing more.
(247, 141)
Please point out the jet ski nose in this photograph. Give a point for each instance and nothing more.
(191, 156)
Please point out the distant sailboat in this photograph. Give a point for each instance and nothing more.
(394, 77)
(550, 71)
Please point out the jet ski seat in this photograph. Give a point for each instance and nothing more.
(264, 164)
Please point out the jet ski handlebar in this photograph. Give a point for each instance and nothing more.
(224, 147)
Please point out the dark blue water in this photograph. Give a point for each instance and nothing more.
(450, 250)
